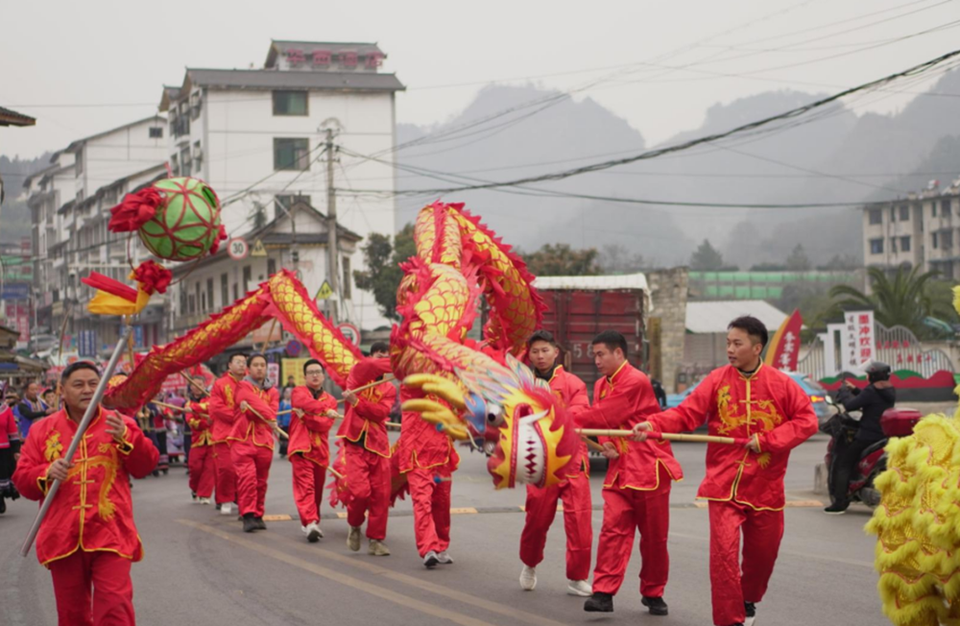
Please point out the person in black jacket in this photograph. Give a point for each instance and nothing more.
(872, 401)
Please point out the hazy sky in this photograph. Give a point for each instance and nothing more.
(104, 53)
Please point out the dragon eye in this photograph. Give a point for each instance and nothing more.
(494, 415)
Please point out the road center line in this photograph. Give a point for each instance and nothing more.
(338, 577)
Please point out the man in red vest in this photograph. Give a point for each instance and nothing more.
(744, 487)
(367, 455)
(88, 538)
(223, 409)
(541, 507)
(636, 491)
(252, 441)
(313, 413)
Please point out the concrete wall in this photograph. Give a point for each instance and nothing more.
(668, 293)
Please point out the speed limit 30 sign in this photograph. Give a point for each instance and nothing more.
(238, 248)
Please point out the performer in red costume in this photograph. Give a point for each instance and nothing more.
(223, 409)
(313, 413)
(252, 441)
(636, 491)
(541, 507)
(428, 459)
(88, 538)
(744, 486)
(367, 453)
(202, 471)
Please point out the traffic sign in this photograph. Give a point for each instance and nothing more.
(238, 249)
(324, 292)
(351, 332)
(258, 249)
(293, 348)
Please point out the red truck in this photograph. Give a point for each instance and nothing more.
(579, 307)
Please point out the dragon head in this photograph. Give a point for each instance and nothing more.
(536, 437)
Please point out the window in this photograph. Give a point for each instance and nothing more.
(197, 290)
(893, 245)
(893, 214)
(876, 216)
(78, 164)
(946, 239)
(905, 244)
(290, 154)
(935, 241)
(224, 290)
(271, 266)
(191, 304)
(876, 246)
(236, 292)
(197, 157)
(347, 291)
(933, 209)
(183, 301)
(290, 103)
(905, 213)
(945, 207)
(247, 275)
(174, 165)
(156, 132)
(283, 202)
(185, 162)
(210, 293)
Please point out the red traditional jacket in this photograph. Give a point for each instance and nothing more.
(198, 416)
(247, 426)
(9, 433)
(366, 419)
(619, 402)
(92, 510)
(421, 445)
(223, 407)
(768, 404)
(308, 434)
(573, 393)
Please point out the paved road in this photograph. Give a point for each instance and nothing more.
(200, 569)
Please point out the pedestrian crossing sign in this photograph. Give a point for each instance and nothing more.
(324, 292)
(258, 249)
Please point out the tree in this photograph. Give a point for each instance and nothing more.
(845, 262)
(259, 215)
(616, 259)
(900, 299)
(384, 274)
(706, 258)
(798, 260)
(768, 267)
(561, 260)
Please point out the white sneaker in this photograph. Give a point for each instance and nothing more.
(226, 508)
(579, 588)
(528, 578)
(312, 531)
(204, 500)
(430, 560)
(444, 558)
(353, 538)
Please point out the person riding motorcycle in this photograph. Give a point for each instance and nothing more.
(871, 401)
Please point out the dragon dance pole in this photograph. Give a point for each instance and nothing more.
(88, 416)
(604, 432)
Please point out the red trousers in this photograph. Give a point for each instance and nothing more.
(202, 472)
(252, 464)
(431, 509)
(368, 478)
(308, 480)
(762, 532)
(624, 512)
(112, 598)
(577, 512)
(226, 475)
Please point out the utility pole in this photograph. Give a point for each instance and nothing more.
(333, 247)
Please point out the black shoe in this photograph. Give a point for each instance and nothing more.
(656, 605)
(599, 602)
(219, 505)
(750, 608)
(249, 523)
(836, 508)
(261, 525)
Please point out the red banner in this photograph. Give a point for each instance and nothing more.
(784, 351)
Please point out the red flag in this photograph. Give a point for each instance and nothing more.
(784, 351)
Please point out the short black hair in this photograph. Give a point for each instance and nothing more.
(46, 391)
(752, 326)
(235, 355)
(74, 367)
(542, 335)
(312, 362)
(254, 356)
(380, 346)
(612, 339)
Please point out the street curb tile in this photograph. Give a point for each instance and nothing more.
(277, 518)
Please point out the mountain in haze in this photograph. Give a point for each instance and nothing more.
(831, 155)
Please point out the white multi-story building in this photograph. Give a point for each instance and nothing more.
(257, 137)
(921, 230)
(82, 183)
